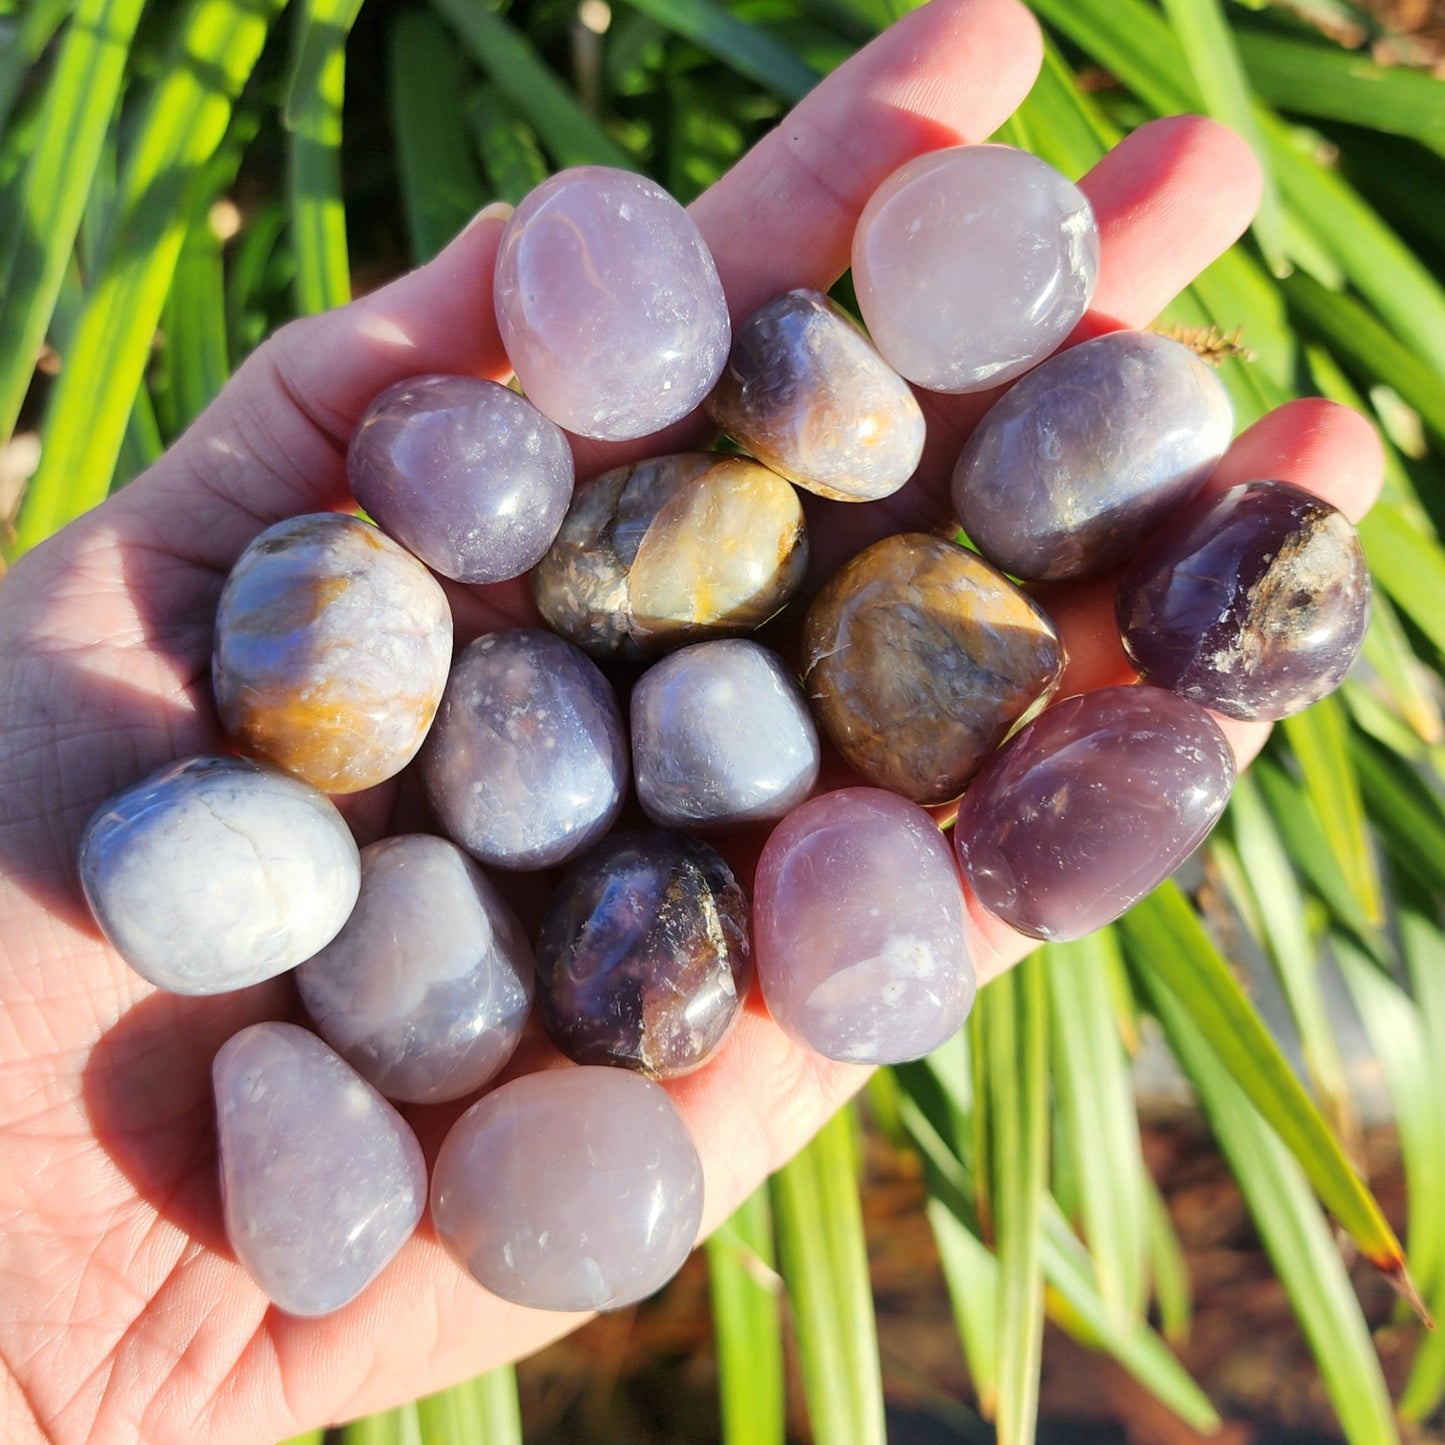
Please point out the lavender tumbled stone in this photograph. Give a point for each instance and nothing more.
(216, 873)
(464, 473)
(573, 1189)
(527, 762)
(973, 263)
(1090, 806)
(859, 927)
(425, 990)
(322, 1181)
(721, 735)
(609, 304)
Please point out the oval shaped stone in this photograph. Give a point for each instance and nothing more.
(609, 304)
(918, 657)
(1074, 465)
(322, 1181)
(215, 873)
(808, 396)
(527, 763)
(643, 958)
(972, 263)
(425, 990)
(464, 473)
(670, 551)
(1093, 804)
(859, 923)
(721, 735)
(331, 651)
(572, 1189)
(1254, 602)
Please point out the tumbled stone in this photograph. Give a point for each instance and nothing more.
(805, 393)
(331, 651)
(1091, 806)
(609, 304)
(720, 736)
(670, 551)
(1074, 465)
(527, 763)
(425, 990)
(643, 958)
(918, 657)
(322, 1181)
(1254, 602)
(971, 264)
(464, 473)
(859, 926)
(214, 873)
(572, 1189)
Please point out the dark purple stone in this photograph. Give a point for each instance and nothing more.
(1253, 602)
(644, 957)
(1091, 806)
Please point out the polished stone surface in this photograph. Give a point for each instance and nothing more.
(331, 650)
(805, 393)
(918, 658)
(1071, 469)
(1254, 602)
(644, 958)
(1091, 806)
(673, 550)
(426, 989)
(609, 304)
(721, 735)
(527, 763)
(859, 927)
(215, 873)
(573, 1189)
(971, 264)
(464, 473)
(322, 1181)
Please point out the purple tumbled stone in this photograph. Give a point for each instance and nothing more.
(1254, 602)
(643, 958)
(859, 927)
(425, 990)
(527, 762)
(1075, 464)
(572, 1189)
(609, 304)
(1091, 806)
(464, 473)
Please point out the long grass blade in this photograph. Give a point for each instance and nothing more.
(483, 1411)
(391, 1427)
(25, 46)
(1409, 565)
(1408, 819)
(970, 1274)
(511, 156)
(1168, 1268)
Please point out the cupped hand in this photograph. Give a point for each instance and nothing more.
(123, 1315)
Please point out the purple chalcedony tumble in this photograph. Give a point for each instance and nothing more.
(572, 1189)
(464, 473)
(609, 304)
(643, 958)
(1254, 602)
(859, 927)
(1091, 806)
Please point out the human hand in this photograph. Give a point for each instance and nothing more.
(123, 1315)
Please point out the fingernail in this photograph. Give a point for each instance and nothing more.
(493, 211)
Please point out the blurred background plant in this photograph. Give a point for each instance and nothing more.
(178, 177)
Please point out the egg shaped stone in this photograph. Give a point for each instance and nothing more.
(673, 550)
(464, 473)
(216, 873)
(918, 657)
(808, 396)
(331, 651)
(1254, 602)
(1075, 464)
(425, 991)
(609, 304)
(973, 263)
(572, 1189)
